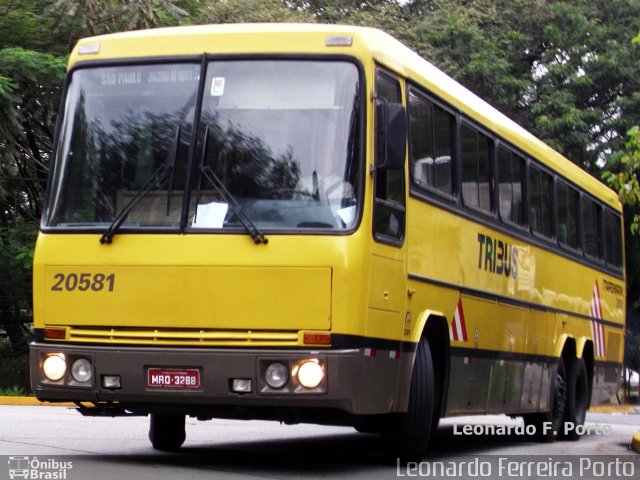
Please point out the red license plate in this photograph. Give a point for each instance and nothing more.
(173, 377)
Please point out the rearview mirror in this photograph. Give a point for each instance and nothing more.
(391, 140)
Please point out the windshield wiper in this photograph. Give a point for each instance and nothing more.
(157, 178)
(206, 171)
(173, 158)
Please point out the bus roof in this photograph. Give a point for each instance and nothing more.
(366, 44)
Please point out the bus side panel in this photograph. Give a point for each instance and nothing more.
(509, 305)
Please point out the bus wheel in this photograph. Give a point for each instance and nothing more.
(407, 434)
(549, 425)
(369, 424)
(577, 399)
(167, 432)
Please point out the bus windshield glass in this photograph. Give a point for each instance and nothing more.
(275, 141)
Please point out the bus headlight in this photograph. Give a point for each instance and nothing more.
(54, 367)
(81, 370)
(310, 374)
(276, 375)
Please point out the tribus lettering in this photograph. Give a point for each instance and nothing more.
(494, 255)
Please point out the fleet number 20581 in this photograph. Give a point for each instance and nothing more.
(83, 282)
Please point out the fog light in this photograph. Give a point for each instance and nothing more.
(81, 370)
(112, 382)
(54, 367)
(241, 385)
(310, 374)
(277, 375)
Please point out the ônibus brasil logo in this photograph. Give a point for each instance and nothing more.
(38, 469)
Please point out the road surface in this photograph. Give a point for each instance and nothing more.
(57, 440)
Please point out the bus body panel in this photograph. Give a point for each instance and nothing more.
(193, 296)
(184, 284)
(516, 308)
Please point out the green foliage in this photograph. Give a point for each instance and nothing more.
(16, 256)
(250, 11)
(30, 88)
(563, 69)
(14, 376)
(622, 176)
(104, 16)
(12, 391)
(625, 182)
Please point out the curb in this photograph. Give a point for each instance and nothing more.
(615, 409)
(31, 401)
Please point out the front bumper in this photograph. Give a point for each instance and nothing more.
(342, 389)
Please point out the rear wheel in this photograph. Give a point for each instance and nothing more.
(549, 424)
(167, 432)
(407, 434)
(577, 399)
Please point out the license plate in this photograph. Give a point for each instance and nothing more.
(173, 377)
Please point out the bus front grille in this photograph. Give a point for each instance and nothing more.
(186, 337)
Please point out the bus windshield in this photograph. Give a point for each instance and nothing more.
(280, 138)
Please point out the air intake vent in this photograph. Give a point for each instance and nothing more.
(614, 341)
(614, 344)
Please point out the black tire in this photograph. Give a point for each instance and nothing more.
(369, 424)
(167, 432)
(577, 399)
(407, 434)
(549, 425)
(540, 421)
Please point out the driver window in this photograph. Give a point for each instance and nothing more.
(389, 208)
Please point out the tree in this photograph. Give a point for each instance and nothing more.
(106, 16)
(250, 11)
(625, 182)
(16, 255)
(29, 103)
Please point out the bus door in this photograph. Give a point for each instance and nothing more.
(388, 271)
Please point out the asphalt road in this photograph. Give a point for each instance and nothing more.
(59, 441)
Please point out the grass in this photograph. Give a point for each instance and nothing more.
(13, 391)
(14, 375)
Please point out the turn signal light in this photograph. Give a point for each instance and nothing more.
(317, 338)
(51, 333)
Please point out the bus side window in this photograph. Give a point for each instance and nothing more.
(568, 204)
(511, 176)
(389, 208)
(432, 133)
(541, 184)
(476, 169)
(591, 242)
(612, 239)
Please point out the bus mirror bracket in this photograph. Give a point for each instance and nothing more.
(392, 135)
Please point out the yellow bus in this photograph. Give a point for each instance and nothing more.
(311, 223)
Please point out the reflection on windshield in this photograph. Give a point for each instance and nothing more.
(282, 138)
(279, 141)
(119, 128)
